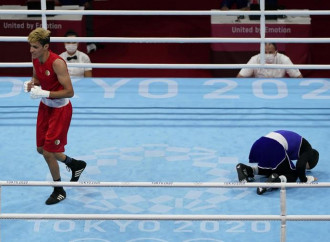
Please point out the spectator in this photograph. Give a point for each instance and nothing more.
(73, 55)
(229, 4)
(243, 4)
(272, 57)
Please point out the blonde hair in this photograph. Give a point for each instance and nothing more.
(40, 35)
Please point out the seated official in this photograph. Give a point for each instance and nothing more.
(271, 57)
(73, 55)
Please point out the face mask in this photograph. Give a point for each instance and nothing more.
(71, 48)
(269, 58)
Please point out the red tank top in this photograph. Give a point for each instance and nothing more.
(45, 73)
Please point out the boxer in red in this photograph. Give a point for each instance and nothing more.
(52, 84)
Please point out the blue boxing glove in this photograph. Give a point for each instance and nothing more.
(37, 92)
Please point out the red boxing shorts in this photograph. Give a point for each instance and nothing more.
(53, 126)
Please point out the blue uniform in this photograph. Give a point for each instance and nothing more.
(271, 150)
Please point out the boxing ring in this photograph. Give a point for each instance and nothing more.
(161, 153)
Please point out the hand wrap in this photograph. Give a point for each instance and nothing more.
(37, 92)
(26, 86)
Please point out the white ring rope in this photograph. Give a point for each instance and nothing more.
(174, 66)
(140, 217)
(283, 217)
(166, 12)
(260, 40)
(163, 184)
(179, 40)
(163, 217)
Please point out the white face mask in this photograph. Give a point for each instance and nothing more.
(269, 58)
(71, 48)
